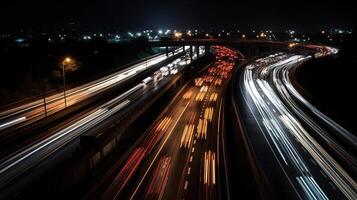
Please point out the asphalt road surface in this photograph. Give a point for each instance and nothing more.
(302, 150)
(179, 156)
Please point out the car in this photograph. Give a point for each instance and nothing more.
(147, 80)
(158, 76)
(173, 71)
(164, 71)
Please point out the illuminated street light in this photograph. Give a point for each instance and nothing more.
(291, 45)
(178, 34)
(189, 33)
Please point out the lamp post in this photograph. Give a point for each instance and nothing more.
(44, 97)
(44, 93)
(66, 60)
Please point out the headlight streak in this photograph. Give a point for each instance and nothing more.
(278, 123)
(282, 89)
(104, 112)
(20, 162)
(8, 169)
(12, 122)
(77, 94)
(278, 135)
(343, 132)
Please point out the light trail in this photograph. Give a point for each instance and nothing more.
(189, 142)
(19, 162)
(264, 91)
(33, 111)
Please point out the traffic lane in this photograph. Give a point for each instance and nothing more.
(181, 159)
(344, 178)
(200, 99)
(337, 175)
(185, 160)
(198, 182)
(295, 159)
(179, 128)
(190, 159)
(204, 178)
(68, 150)
(162, 136)
(59, 96)
(171, 148)
(22, 160)
(261, 149)
(341, 144)
(109, 185)
(293, 156)
(204, 173)
(192, 185)
(41, 117)
(40, 112)
(16, 116)
(344, 134)
(283, 150)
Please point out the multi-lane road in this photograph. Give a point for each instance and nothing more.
(18, 165)
(298, 152)
(29, 112)
(294, 143)
(179, 156)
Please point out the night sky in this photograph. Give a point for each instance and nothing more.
(180, 14)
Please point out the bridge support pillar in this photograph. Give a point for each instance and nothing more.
(167, 51)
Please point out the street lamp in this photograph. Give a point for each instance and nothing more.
(178, 35)
(66, 60)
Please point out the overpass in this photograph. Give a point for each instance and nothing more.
(249, 48)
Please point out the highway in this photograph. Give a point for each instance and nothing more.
(179, 156)
(294, 143)
(298, 151)
(27, 113)
(19, 164)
